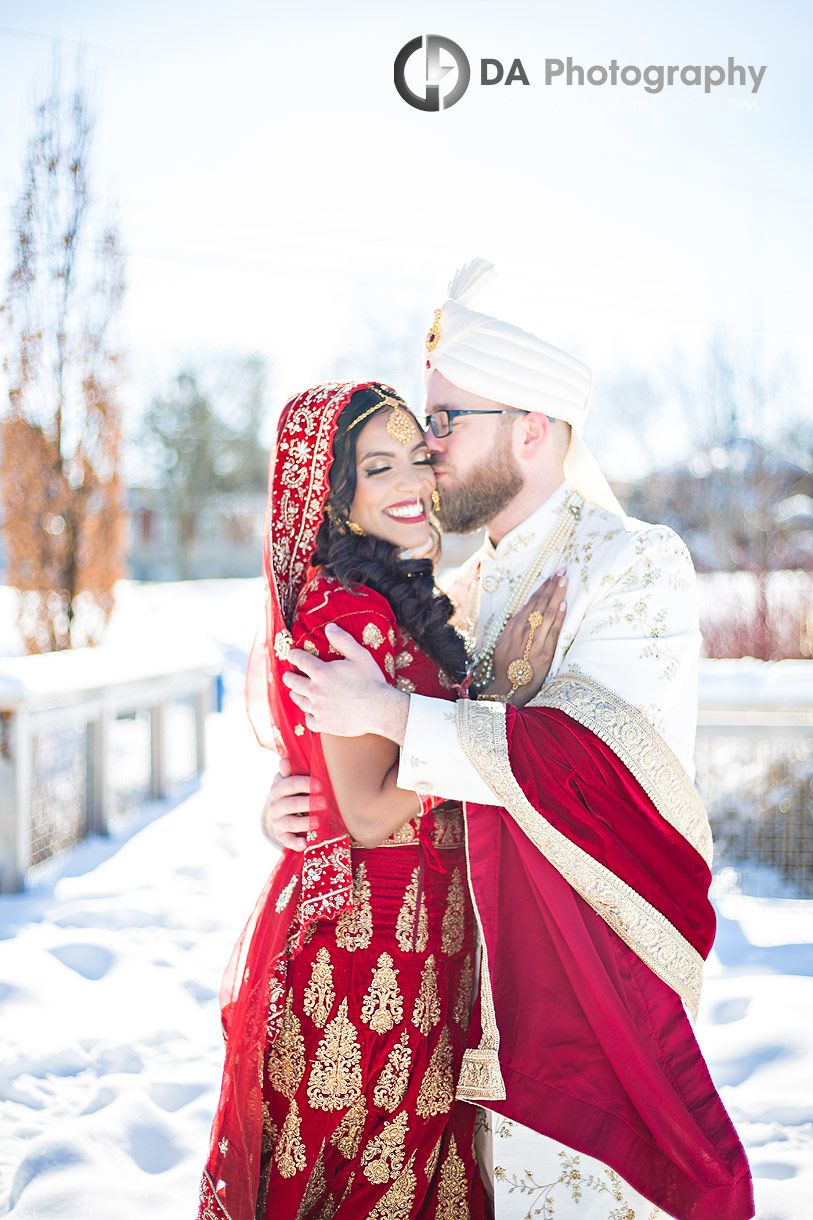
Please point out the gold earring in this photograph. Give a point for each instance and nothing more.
(355, 529)
(435, 498)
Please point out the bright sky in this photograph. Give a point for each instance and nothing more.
(276, 195)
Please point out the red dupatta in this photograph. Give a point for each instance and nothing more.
(593, 907)
(304, 886)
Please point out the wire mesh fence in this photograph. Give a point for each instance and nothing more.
(59, 787)
(759, 795)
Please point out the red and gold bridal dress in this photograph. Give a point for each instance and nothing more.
(358, 1110)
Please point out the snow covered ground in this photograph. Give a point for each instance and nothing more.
(110, 964)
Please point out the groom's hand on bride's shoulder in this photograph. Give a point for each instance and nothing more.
(346, 698)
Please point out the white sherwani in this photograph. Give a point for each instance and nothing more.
(631, 626)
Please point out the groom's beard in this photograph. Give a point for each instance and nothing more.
(488, 488)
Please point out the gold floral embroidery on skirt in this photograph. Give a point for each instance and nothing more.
(268, 1140)
(405, 923)
(462, 1004)
(432, 1164)
(354, 929)
(383, 1158)
(453, 1187)
(347, 1135)
(383, 1007)
(394, 1078)
(289, 1153)
(426, 1013)
(316, 1188)
(286, 1056)
(397, 1203)
(335, 1078)
(453, 927)
(436, 1093)
(320, 994)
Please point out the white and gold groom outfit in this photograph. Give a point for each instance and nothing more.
(625, 667)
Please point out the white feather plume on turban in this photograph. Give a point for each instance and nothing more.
(504, 364)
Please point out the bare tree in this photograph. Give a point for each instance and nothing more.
(61, 434)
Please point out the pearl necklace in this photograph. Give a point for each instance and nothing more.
(482, 665)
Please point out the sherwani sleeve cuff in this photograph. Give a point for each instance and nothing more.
(432, 759)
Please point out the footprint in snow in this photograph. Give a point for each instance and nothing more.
(89, 960)
(730, 1010)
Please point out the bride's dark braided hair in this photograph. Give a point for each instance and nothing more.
(407, 584)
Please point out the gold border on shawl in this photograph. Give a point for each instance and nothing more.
(640, 747)
(480, 1076)
(481, 730)
(216, 1199)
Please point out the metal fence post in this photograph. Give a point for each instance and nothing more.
(98, 785)
(158, 770)
(15, 787)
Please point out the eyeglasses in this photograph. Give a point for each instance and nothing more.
(441, 422)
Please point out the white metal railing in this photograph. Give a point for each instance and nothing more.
(761, 699)
(88, 690)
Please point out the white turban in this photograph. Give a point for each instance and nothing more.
(498, 361)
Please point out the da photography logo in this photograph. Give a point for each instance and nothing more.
(424, 91)
(431, 98)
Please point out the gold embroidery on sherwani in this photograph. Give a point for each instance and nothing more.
(452, 927)
(405, 923)
(397, 1203)
(335, 1078)
(406, 685)
(630, 735)
(289, 1153)
(426, 1013)
(394, 1079)
(453, 1187)
(316, 1188)
(383, 1007)
(432, 1164)
(371, 637)
(347, 1135)
(383, 1158)
(481, 729)
(320, 994)
(436, 1093)
(354, 929)
(389, 664)
(462, 1004)
(480, 1077)
(286, 1056)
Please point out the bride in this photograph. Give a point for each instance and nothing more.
(347, 1000)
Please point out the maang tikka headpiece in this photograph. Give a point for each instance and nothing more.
(400, 424)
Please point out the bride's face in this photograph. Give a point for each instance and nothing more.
(394, 483)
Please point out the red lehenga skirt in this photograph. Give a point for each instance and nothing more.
(359, 1111)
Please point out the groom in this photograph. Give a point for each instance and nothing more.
(588, 849)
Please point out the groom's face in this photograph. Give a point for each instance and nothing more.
(475, 467)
